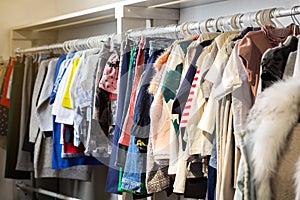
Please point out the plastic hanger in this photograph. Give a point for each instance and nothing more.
(247, 22)
(233, 20)
(294, 18)
(207, 23)
(203, 26)
(182, 27)
(188, 31)
(265, 17)
(257, 18)
(226, 23)
(274, 14)
(219, 25)
(198, 27)
(239, 21)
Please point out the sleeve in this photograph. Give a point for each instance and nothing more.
(250, 56)
(231, 78)
(245, 52)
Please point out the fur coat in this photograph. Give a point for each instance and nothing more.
(271, 142)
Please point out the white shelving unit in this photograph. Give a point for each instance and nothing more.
(119, 17)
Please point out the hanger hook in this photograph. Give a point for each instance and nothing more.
(274, 14)
(294, 18)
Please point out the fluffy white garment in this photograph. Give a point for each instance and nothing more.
(272, 118)
(297, 180)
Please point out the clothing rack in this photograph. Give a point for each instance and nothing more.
(77, 44)
(236, 21)
(23, 186)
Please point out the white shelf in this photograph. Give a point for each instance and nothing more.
(104, 14)
(126, 14)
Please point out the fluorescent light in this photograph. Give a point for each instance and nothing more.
(168, 4)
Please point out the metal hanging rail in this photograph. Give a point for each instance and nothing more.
(77, 44)
(236, 21)
(23, 186)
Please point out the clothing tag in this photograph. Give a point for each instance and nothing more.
(88, 114)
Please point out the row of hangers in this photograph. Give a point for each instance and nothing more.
(238, 22)
(73, 45)
(224, 23)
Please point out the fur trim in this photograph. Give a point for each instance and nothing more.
(273, 116)
(297, 180)
(158, 65)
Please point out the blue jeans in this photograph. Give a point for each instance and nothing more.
(134, 168)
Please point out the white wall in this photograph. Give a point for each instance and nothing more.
(88, 31)
(20, 12)
(14, 13)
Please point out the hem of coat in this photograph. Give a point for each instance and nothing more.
(63, 173)
(178, 190)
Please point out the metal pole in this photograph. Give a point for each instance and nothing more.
(45, 192)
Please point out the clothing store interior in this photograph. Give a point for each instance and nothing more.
(150, 100)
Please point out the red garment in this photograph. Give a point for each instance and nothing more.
(69, 150)
(4, 101)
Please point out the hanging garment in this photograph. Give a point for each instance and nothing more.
(37, 59)
(290, 65)
(3, 70)
(297, 62)
(4, 101)
(125, 135)
(214, 75)
(13, 134)
(141, 118)
(24, 158)
(184, 143)
(183, 92)
(110, 75)
(160, 119)
(34, 125)
(254, 44)
(157, 178)
(134, 170)
(81, 94)
(3, 109)
(274, 61)
(97, 143)
(43, 163)
(265, 173)
(113, 171)
(3, 120)
(121, 155)
(63, 114)
(57, 148)
(175, 67)
(43, 107)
